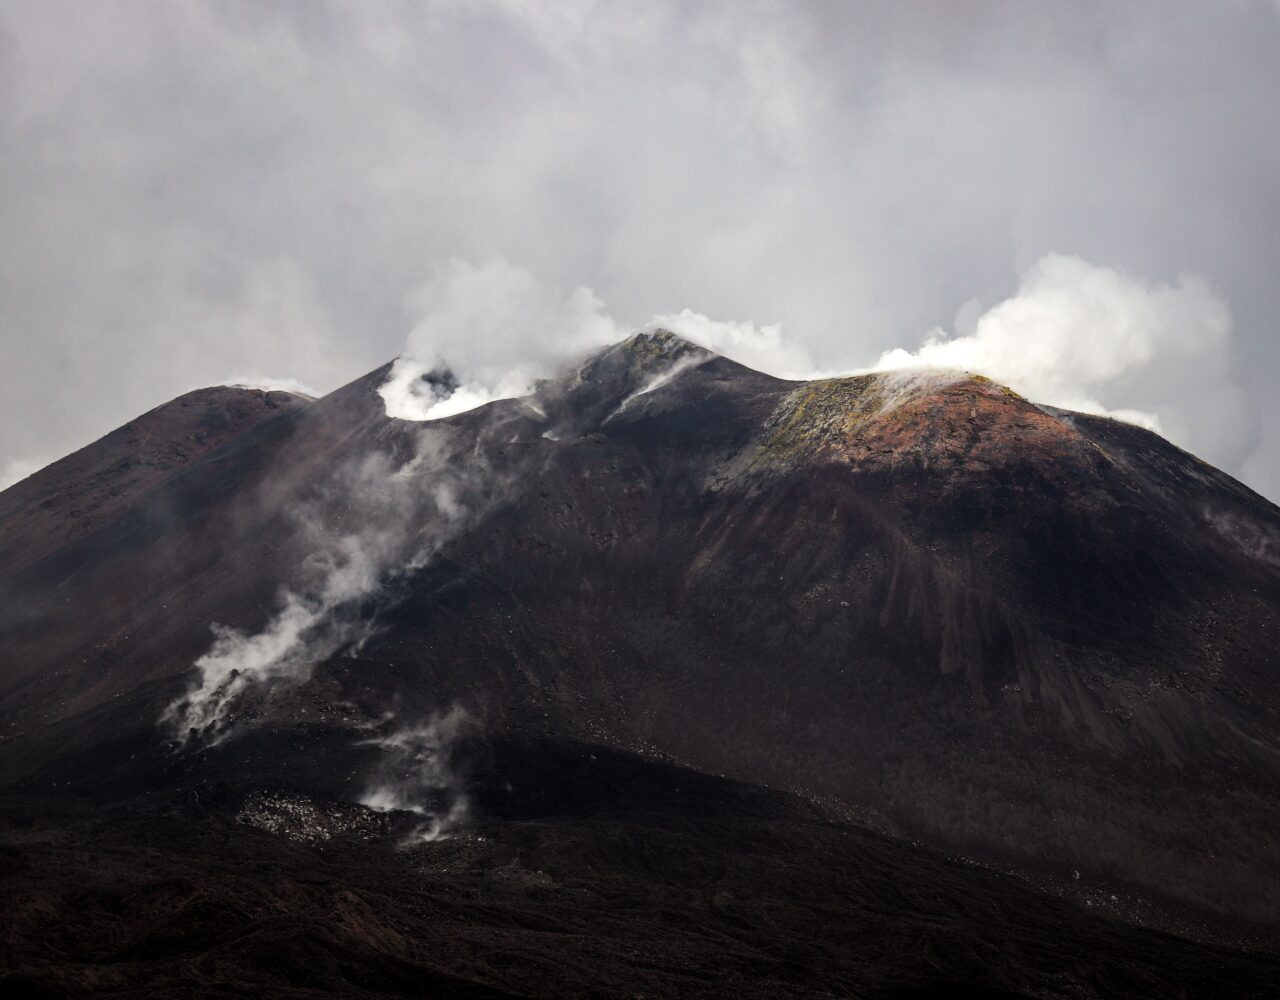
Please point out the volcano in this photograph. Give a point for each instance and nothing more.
(670, 678)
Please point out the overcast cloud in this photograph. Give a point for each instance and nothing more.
(200, 192)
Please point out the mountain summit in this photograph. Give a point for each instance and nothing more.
(910, 601)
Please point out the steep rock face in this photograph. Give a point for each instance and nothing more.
(105, 551)
(960, 613)
(72, 497)
(1034, 637)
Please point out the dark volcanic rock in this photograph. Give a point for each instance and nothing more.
(70, 498)
(1038, 640)
(589, 873)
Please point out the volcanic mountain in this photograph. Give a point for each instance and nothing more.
(704, 680)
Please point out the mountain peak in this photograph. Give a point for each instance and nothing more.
(644, 353)
(661, 343)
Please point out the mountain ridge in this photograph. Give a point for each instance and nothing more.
(1009, 632)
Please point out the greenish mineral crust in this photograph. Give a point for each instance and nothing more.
(659, 345)
(818, 413)
(947, 419)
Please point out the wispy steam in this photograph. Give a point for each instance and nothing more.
(271, 384)
(1256, 539)
(418, 773)
(405, 512)
(764, 348)
(661, 378)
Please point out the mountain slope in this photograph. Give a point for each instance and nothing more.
(73, 496)
(1038, 639)
(609, 876)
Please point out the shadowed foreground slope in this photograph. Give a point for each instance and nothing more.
(605, 875)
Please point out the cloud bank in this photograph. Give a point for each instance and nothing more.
(196, 189)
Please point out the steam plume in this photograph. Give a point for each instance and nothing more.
(407, 512)
(497, 329)
(1092, 339)
(1074, 335)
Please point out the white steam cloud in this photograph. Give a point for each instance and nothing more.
(407, 512)
(1073, 335)
(1088, 338)
(496, 328)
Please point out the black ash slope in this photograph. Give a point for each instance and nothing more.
(1034, 639)
(587, 872)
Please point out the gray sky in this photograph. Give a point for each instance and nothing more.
(1085, 197)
